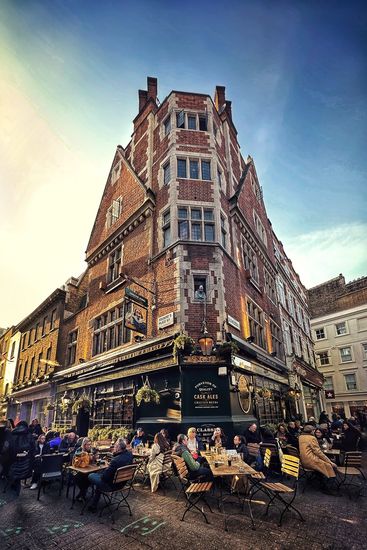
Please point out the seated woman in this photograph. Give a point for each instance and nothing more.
(218, 439)
(321, 439)
(293, 434)
(312, 457)
(82, 458)
(239, 445)
(42, 448)
(282, 435)
(155, 463)
(194, 443)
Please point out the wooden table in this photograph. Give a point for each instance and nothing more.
(90, 469)
(238, 468)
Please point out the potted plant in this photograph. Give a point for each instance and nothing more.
(264, 393)
(147, 394)
(182, 342)
(47, 408)
(83, 402)
(226, 348)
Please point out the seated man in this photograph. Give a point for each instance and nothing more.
(104, 482)
(194, 467)
(240, 446)
(312, 458)
(55, 442)
(139, 438)
(69, 442)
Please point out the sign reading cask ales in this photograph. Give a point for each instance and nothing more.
(206, 395)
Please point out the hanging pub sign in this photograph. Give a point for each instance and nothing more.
(135, 317)
(134, 297)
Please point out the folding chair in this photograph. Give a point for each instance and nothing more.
(193, 491)
(277, 491)
(167, 473)
(51, 469)
(351, 471)
(274, 455)
(118, 497)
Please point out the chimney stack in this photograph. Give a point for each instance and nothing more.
(143, 98)
(220, 97)
(228, 109)
(152, 84)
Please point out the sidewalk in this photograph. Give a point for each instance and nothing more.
(331, 523)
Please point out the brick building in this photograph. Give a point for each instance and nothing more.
(305, 380)
(339, 326)
(7, 353)
(181, 243)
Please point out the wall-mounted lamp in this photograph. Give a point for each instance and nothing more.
(250, 339)
(206, 342)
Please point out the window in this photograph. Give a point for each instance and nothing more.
(250, 261)
(167, 125)
(345, 354)
(280, 289)
(166, 173)
(270, 286)
(324, 358)
(39, 365)
(192, 121)
(30, 373)
(219, 178)
(114, 265)
(71, 347)
(44, 323)
(199, 281)
(181, 168)
(260, 229)
(197, 170)
(364, 349)
(223, 231)
(328, 383)
(115, 173)
(12, 351)
(109, 331)
(53, 319)
(166, 228)
(287, 337)
(276, 339)
(196, 223)
(256, 322)
(341, 328)
(320, 333)
(114, 211)
(36, 331)
(350, 381)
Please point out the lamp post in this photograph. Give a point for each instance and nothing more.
(206, 342)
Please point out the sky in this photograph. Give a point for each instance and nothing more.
(70, 70)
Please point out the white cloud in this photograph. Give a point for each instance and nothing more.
(321, 255)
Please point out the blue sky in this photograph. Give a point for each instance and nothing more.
(295, 71)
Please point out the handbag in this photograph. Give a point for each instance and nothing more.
(81, 460)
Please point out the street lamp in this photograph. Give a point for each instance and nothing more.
(65, 399)
(206, 342)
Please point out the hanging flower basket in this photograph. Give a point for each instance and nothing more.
(83, 402)
(226, 349)
(182, 342)
(146, 394)
(64, 407)
(47, 408)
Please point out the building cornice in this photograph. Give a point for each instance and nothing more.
(56, 296)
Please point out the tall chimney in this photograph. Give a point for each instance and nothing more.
(152, 84)
(228, 109)
(143, 98)
(220, 97)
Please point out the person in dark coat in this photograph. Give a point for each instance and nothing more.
(239, 445)
(350, 437)
(293, 434)
(69, 442)
(21, 442)
(35, 428)
(42, 448)
(267, 436)
(252, 434)
(218, 439)
(324, 419)
(139, 438)
(122, 457)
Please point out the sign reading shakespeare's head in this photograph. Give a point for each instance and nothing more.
(135, 317)
(244, 396)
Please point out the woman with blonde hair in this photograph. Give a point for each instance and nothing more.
(194, 443)
(83, 456)
(155, 463)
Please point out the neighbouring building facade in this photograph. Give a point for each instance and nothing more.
(305, 379)
(339, 326)
(176, 320)
(7, 353)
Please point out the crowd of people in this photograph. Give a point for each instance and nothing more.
(309, 440)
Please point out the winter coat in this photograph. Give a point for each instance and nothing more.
(252, 437)
(155, 466)
(223, 438)
(21, 441)
(350, 439)
(124, 458)
(312, 457)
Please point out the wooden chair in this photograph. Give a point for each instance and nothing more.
(351, 471)
(167, 473)
(194, 491)
(118, 497)
(253, 449)
(278, 492)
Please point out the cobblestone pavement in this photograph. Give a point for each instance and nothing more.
(332, 522)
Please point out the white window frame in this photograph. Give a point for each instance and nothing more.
(341, 356)
(346, 328)
(346, 383)
(332, 383)
(115, 173)
(364, 351)
(167, 123)
(166, 226)
(190, 221)
(260, 228)
(318, 353)
(167, 167)
(254, 271)
(114, 212)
